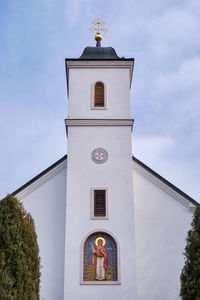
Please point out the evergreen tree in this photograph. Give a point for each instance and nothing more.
(19, 253)
(190, 276)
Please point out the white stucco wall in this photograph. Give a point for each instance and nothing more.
(116, 175)
(46, 204)
(161, 224)
(117, 85)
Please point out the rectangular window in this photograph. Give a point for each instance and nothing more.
(99, 203)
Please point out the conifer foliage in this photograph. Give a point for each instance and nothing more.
(190, 276)
(19, 253)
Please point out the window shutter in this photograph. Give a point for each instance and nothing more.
(99, 203)
(99, 94)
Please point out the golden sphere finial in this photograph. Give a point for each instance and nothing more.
(98, 37)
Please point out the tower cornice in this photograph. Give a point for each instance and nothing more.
(121, 63)
(99, 122)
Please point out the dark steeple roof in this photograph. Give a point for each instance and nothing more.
(99, 53)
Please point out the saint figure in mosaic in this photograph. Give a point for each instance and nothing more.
(100, 259)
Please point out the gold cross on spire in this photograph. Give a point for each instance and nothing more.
(98, 23)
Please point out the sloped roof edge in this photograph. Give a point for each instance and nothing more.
(187, 197)
(39, 175)
(194, 202)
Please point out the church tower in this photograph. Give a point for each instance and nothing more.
(100, 259)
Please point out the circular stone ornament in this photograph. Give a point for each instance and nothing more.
(99, 155)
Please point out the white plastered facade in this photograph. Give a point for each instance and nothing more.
(162, 219)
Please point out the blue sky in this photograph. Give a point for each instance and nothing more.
(162, 36)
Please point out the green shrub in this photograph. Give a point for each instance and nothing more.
(19, 253)
(190, 276)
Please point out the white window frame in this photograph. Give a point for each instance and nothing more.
(105, 96)
(93, 217)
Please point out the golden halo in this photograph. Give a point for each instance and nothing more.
(100, 238)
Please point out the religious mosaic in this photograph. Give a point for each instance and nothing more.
(100, 258)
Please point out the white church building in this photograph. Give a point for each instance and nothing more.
(108, 226)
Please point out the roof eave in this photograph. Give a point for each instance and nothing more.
(172, 186)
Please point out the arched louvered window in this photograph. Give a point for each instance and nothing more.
(99, 100)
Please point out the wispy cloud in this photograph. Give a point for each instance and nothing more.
(74, 11)
(153, 147)
(184, 80)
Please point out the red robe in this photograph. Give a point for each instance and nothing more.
(97, 252)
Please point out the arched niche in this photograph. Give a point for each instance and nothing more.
(100, 258)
